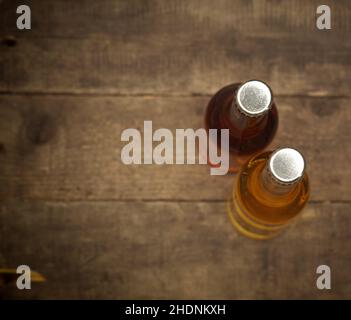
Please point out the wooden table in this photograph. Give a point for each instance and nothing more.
(97, 228)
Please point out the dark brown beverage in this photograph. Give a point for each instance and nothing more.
(251, 116)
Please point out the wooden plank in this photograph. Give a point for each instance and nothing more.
(171, 250)
(175, 48)
(87, 18)
(68, 148)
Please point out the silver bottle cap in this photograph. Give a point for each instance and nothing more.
(254, 98)
(286, 165)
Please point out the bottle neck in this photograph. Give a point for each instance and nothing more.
(243, 121)
(270, 184)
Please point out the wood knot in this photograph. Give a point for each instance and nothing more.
(326, 108)
(40, 129)
(9, 41)
(2, 148)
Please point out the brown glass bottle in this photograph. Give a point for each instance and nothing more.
(251, 116)
(271, 189)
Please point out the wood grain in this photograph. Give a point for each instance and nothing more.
(68, 148)
(175, 48)
(86, 18)
(96, 228)
(171, 250)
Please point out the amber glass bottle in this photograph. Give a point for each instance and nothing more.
(271, 189)
(248, 111)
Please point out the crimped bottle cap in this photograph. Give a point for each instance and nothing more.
(286, 165)
(254, 98)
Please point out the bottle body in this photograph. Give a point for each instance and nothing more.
(260, 207)
(247, 135)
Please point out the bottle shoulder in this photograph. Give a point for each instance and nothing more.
(247, 135)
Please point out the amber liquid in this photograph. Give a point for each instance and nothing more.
(261, 207)
(247, 135)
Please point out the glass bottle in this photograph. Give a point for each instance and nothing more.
(271, 190)
(251, 116)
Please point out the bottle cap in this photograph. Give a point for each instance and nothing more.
(286, 165)
(254, 98)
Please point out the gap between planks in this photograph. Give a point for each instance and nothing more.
(154, 95)
(107, 200)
